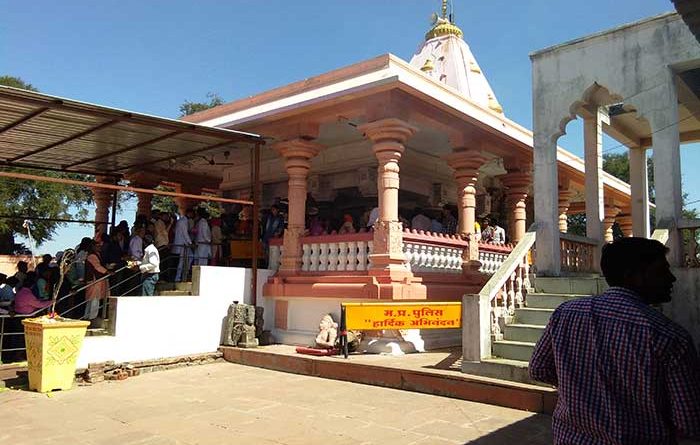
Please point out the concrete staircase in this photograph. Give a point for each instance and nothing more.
(164, 289)
(512, 354)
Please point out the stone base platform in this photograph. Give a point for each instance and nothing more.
(434, 372)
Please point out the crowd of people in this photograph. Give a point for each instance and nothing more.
(442, 220)
(131, 260)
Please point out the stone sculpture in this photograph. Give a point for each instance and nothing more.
(239, 327)
(328, 333)
(259, 321)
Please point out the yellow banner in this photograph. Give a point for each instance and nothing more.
(375, 316)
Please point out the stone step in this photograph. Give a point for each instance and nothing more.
(13, 374)
(523, 332)
(173, 293)
(536, 316)
(542, 300)
(185, 286)
(501, 368)
(592, 285)
(96, 332)
(513, 350)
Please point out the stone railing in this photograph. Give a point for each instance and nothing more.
(492, 256)
(275, 254)
(577, 253)
(433, 252)
(507, 287)
(329, 253)
(690, 229)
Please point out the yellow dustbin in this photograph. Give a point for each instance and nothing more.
(53, 346)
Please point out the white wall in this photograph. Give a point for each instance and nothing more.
(158, 327)
(684, 307)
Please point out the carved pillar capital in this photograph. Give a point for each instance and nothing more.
(388, 137)
(103, 201)
(610, 213)
(517, 185)
(565, 196)
(297, 155)
(625, 223)
(466, 164)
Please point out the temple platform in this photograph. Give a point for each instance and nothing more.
(433, 372)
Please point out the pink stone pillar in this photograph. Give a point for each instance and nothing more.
(144, 204)
(298, 154)
(185, 203)
(608, 221)
(388, 136)
(466, 164)
(517, 184)
(103, 202)
(626, 224)
(565, 196)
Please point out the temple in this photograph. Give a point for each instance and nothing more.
(388, 147)
(398, 136)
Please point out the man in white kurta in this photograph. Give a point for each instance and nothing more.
(182, 245)
(202, 240)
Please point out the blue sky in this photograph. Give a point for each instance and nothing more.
(151, 56)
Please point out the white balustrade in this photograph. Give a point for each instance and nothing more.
(352, 256)
(323, 257)
(342, 260)
(336, 253)
(490, 259)
(333, 254)
(275, 254)
(507, 288)
(362, 256)
(432, 252)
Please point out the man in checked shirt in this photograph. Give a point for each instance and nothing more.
(625, 373)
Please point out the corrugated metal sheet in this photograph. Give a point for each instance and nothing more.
(38, 130)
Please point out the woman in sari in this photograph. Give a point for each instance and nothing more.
(97, 289)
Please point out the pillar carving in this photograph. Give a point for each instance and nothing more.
(185, 203)
(517, 185)
(466, 163)
(388, 137)
(625, 221)
(103, 201)
(565, 196)
(608, 220)
(297, 154)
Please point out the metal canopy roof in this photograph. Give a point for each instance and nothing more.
(49, 132)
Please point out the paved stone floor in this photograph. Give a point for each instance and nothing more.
(226, 403)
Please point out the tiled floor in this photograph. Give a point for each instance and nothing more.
(227, 403)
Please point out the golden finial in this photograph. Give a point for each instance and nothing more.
(443, 26)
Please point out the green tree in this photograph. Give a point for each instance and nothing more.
(16, 82)
(187, 108)
(33, 199)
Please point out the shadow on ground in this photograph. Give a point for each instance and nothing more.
(453, 362)
(537, 429)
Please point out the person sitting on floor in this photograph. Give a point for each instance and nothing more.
(7, 291)
(348, 226)
(25, 300)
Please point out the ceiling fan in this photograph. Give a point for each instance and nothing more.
(213, 161)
